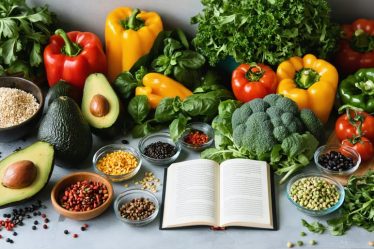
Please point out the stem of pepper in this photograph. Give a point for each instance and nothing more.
(306, 77)
(253, 76)
(362, 42)
(132, 22)
(70, 48)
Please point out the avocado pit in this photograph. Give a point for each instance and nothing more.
(99, 106)
(19, 174)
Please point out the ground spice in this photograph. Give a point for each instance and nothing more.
(83, 196)
(16, 106)
(117, 163)
(196, 138)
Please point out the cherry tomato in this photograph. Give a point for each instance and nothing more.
(364, 147)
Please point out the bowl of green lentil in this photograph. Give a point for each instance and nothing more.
(315, 194)
(21, 107)
(117, 162)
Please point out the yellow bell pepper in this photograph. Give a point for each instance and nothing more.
(158, 86)
(310, 82)
(129, 34)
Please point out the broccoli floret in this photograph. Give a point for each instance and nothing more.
(276, 122)
(241, 115)
(258, 105)
(287, 118)
(238, 134)
(280, 133)
(271, 99)
(287, 105)
(312, 124)
(274, 112)
(296, 144)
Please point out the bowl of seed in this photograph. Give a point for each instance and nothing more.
(315, 194)
(21, 107)
(136, 207)
(159, 148)
(117, 162)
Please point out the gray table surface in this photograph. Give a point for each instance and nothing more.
(106, 231)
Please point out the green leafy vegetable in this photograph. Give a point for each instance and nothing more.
(263, 30)
(314, 227)
(177, 127)
(139, 108)
(358, 206)
(23, 33)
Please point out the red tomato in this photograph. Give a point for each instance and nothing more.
(345, 129)
(364, 147)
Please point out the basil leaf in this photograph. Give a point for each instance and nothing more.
(125, 85)
(191, 78)
(170, 46)
(191, 59)
(177, 127)
(182, 38)
(168, 109)
(161, 63)
(139, 108)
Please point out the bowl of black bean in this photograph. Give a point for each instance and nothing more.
(159, 148)
(337, 160)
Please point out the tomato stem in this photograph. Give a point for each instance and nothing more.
(254, 73)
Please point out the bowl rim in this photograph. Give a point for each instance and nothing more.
(58, 185)
(159, 134)
(322, 212)
(124, 147)
(350, 171)
(41, 104)
(188, 128)
(136, 222)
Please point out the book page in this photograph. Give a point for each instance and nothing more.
(245, 194)
(191, 196)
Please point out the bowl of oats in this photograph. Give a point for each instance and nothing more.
(21, 107)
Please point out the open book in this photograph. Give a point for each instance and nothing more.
(199, 192)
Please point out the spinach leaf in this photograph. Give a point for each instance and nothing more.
(191, 59)
(314, 227)
(139, 108)
(141, 130)
(168, 109)
(177, 127)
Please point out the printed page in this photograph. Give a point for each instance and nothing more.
(191, 196)
(245, 194)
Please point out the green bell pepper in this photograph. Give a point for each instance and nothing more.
(358, 90)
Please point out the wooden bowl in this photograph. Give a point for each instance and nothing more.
(15, 132)
(71, 179)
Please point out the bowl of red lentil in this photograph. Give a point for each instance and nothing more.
(117, 162)
(198, 136)
(82, 195)
(21, 107)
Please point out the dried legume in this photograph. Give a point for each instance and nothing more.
(335, 161)
(117, 163)
(137, 209)
(83, 196)
(16, 106)
(160, 150)
(196, 138)
(314, 193)
(149, 182)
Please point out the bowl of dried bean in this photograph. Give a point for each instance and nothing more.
(315, 194)
(21, 107)
(159, 148)
(117, 162)
(337, 160)
(82, 195)
(136, 207)
(198, 136)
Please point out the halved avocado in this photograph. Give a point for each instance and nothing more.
(101, 107)
(42, 156)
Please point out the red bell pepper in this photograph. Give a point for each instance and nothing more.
(356, 47)
(250, 81)
(73, 56)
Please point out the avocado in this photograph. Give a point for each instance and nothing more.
(101, 107)
(64, 127)
(63, 88)
(41, 154)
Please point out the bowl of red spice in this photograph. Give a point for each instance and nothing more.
(198, 136)
(82, 195)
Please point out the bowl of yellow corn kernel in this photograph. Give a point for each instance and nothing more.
(117, 162)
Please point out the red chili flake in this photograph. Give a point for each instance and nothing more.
(196, 137)
(75, 235)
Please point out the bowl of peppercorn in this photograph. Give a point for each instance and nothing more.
(337, 160)
(198, 136)
(159, 148)
(136, 207)
(82, 195)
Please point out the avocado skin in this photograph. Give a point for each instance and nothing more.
(63, 88)
(15, 203)
(64, 127)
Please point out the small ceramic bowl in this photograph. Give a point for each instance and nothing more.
(116, 147)
(131, 194)
(15, 132)
(316, 213)
(71, 179)
(345, 150)
(198, 126)
(159, 137)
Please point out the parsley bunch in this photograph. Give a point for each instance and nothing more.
(264, 30)
(23, 32)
